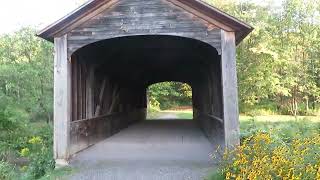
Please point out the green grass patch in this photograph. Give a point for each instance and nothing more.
(282, 118)
(59, 173)
(185, 115)
(287, 128)
(188, 114)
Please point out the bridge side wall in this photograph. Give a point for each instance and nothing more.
(87, 132)
(207, 101)
(101, 106)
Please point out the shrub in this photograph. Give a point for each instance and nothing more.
(6, 171)
(267, 156)
(39, 152)
(154, 105)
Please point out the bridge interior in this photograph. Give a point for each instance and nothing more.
(154, 149)
(109, 100)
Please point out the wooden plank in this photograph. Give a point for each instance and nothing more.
(84, 74)
(114, 98)
(90, 92)
(143, 17)
(194, 7)
(86, 16)
(86, 132)
(229, 89)
(100, 98)
(74, 88)
(80, 91)
(201, 15)
(62, 101)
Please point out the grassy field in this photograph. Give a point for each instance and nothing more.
(289, 125)
(243, 118)
(186, 114)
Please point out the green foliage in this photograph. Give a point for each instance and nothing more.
(7, 172)
(265, 156)
(269, 149)
(26, 92)
(39, 152)
(26, 73)
(287, 129)
(215, 174)
(166, 95)
(280, 60)
(59, 173)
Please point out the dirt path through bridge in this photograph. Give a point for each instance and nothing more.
(168, 116)
(150, 150)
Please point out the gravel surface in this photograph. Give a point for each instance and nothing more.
(167, 116)
(158, 149)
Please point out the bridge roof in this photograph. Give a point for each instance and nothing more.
(196, 7)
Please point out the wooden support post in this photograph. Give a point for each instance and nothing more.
(62, 101)
(229, 89)
(89, 92)
(101, 95)
(74, 87)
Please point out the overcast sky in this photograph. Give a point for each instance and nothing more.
(15, 14)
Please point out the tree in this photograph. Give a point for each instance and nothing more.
(279, 62)
(26, 73)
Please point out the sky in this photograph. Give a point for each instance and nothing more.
(15, 14)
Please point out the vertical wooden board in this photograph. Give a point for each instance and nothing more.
(74, 88)
(100, 98)
(84, 74)
(89, 92)
(229, 89)
(79, 91)
(62, 101)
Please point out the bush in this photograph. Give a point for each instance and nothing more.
(6, 171)
(154, 105)
(267, 156)
(39, 152)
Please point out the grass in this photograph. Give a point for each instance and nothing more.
(288, 124)
(59, 173)
(276, 118)
(184, 114)
(187, 114)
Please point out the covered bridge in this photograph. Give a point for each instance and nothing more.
(107, 53)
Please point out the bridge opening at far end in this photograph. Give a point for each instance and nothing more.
(169, 101)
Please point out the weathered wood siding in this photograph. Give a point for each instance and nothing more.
(87, 132)
(207, 101)
(62, 100)
(230, 89)
(94, 93)
(100, 106)
(143, 17)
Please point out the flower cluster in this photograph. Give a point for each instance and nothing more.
(264, 156)
(35, 140)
